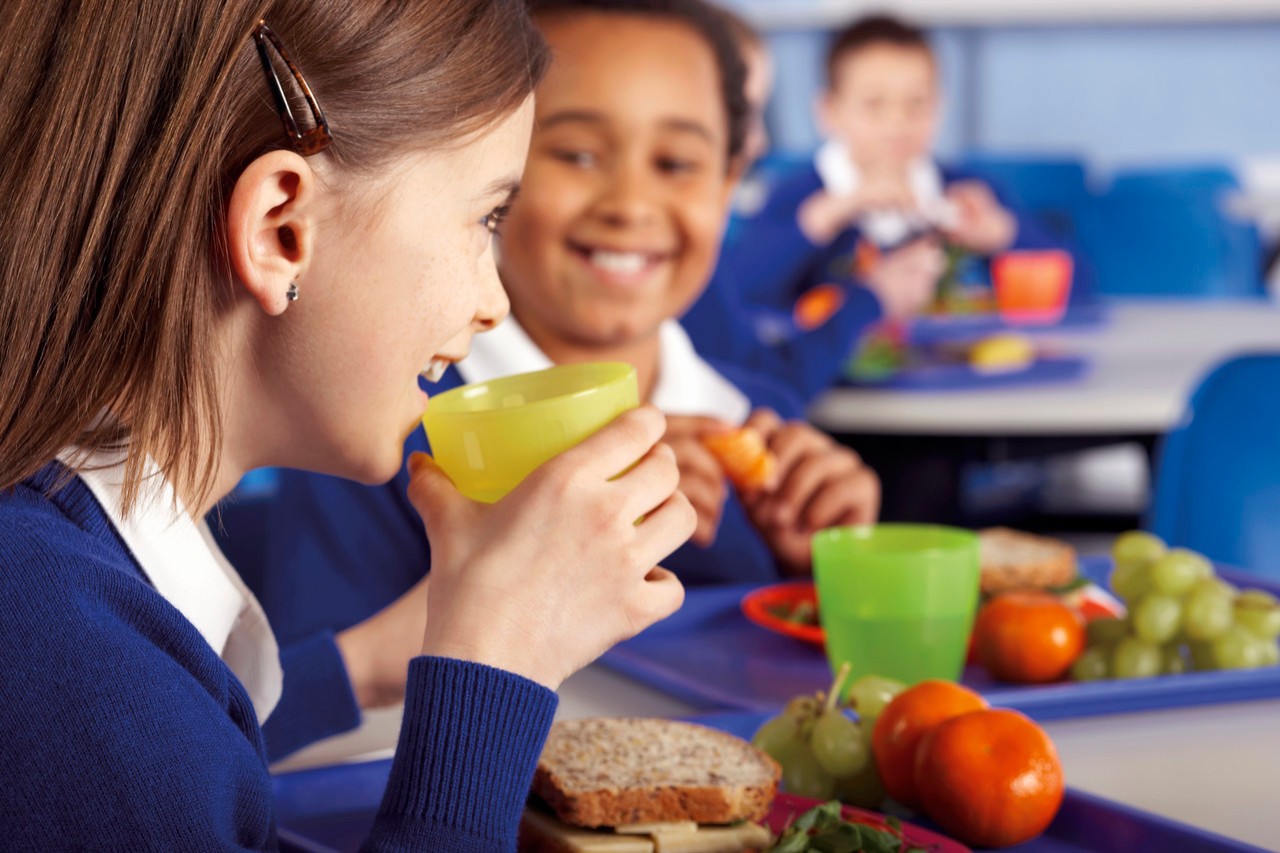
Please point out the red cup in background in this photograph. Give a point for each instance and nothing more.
(1032, 287)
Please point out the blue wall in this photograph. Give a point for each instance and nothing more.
(1119, 96)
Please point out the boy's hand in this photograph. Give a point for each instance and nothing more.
(820, 484)
(906, 279)
(701, 478)
(982, 225)
(823, 215)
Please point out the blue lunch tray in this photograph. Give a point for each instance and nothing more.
(711, 657)
(1045, 370)
(330, 810)
(934, 328)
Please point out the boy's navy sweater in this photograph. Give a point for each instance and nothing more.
(338, 552)
(123, 730)
(768, 263)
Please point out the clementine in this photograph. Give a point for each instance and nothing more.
(905, 720)
(742, 453)
(990, 778)
(1027, 637)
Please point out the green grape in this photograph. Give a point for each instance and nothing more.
(1208, 612)
(1134, 658)
(1131, 581)
(1177, 571)
(803, 776)
(1105, 631)
(1215, 582)
(863, 789)
(1157, 618)
(1239, 649)
(838, 744)
(1202, 656)
(779, 737)
(1258, 611)
(1137, 547)
(1093, 665)
(870, 694)
(1271, 653)
(1173, 661)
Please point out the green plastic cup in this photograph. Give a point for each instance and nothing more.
(491, 435)
(897, 600)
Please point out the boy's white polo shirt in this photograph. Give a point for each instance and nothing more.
(686, 384)
(185, 565)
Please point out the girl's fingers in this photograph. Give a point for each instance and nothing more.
(664, 530)
(853, 499)
(707, 499)
(808, 476)
(613, 448)
(650, 483)
(764, 421)
(696, 462)
(793, 442)
(658, 596)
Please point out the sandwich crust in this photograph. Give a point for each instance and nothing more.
(617, 771)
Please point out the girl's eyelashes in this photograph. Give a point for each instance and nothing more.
(582, 159)
(494, 218)
(676, 165)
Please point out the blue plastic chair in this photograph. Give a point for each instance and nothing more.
(1053, 189)
(1217, 482)
(1164, 232)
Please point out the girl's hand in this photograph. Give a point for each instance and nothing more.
(377, 651)
(542, 582)
(820, 484)
(701, 478)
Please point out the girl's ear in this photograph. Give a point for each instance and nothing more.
(271, 227)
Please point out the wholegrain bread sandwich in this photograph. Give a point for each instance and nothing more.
(1015, 560)
(631, 785)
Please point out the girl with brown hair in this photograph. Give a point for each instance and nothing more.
(234, 233)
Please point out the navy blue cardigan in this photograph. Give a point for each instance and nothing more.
(122, 729)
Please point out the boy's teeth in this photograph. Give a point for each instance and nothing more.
(435, 370)
(619, 262)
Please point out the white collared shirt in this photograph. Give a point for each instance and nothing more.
(184, 564)
(686, 384)
(841, 176)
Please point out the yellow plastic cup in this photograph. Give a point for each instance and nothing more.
(491, 435)
(897, 600)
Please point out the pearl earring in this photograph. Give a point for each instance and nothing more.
(292, 293)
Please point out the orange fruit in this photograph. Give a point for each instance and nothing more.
(990, 778)
(904, 721)
(1028, 637)
(744, 457)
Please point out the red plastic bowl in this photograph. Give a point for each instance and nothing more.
(787, 808)
(758, 604)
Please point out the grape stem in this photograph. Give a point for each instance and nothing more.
(833, 698)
